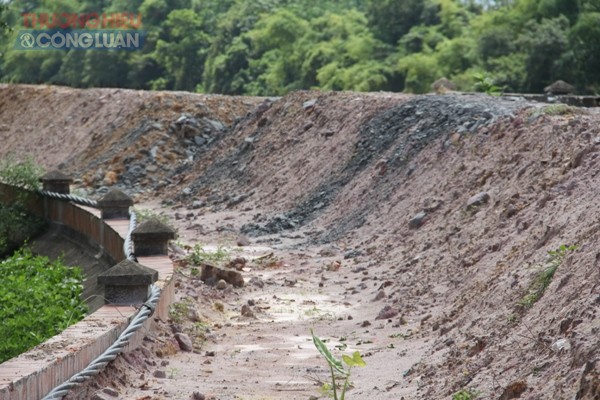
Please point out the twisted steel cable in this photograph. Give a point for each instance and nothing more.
(145, 312)
(112, 352)
(128, 244)
(70, 197)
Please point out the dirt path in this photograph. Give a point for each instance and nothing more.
(445, 211)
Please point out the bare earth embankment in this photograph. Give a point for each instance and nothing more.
(415, 229)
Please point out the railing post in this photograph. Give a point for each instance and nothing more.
(115, 205)
(127, 283)
(57, 182)
(151, 238)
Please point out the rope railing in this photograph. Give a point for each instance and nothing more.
(145, 311)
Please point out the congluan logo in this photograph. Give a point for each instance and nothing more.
(80, 39)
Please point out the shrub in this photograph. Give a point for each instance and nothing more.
(24, 174)
(39, 299)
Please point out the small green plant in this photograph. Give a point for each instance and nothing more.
(172, 372)
(336, 365)
(144, 214)
(466, 394)
(485, 84)
(200, 255)
(557, 109)
(544, 277)
(179, 311)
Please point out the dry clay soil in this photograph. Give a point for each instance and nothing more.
(413, 229)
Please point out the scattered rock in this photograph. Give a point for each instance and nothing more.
(478, 200)
(111, 392)
(365, 323)
(185, 343)
(221, 285)
(387, 312)
(200, 140)
(352, 254)
(561, 345)
(242, 240)
(237, 263)
(309, 104)
(418, 220)
(443, 85)
(256, 281)
(105, 394)
(247, 311)
(198, 396)
(197, 204)
(110, 178)
(159, 373)
(212, 275)
(380, 296)
(513, 391)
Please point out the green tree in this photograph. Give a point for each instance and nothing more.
(544, 44)
(583, 41)
(182, 49)
(392, 19)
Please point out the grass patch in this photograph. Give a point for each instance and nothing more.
(144, 214)
(543, 278)
(466, 394)
(199, 255)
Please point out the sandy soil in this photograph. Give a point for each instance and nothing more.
(411, 229)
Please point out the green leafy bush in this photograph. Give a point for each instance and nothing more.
(16, 227)
(24, 174)
(39, 299)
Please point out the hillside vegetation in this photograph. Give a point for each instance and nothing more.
(270, 47)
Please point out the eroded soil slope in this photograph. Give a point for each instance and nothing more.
(414, 229)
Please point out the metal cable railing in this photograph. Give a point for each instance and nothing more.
(145, 311)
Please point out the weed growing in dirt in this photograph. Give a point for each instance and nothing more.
(268, 261)
(200, 255)
(543, 279)
(179, 311)
(144, 214)
(336, 365)
(466, 394)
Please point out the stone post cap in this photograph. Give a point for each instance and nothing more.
(153, 229)
(115, 197)
(115, 204)
(56, 181)
(56, 176)
(128, 273)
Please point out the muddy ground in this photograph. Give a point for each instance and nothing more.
(424, 232)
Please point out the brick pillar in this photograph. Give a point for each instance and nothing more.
(127, 283)
(115, 205)
(57, 182)
(151, 238)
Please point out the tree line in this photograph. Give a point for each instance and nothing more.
(270, 47)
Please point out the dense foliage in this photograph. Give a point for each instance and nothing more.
(269, 47)
(39, 299)
(16, 225)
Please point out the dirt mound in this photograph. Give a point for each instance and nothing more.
(468, 223)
